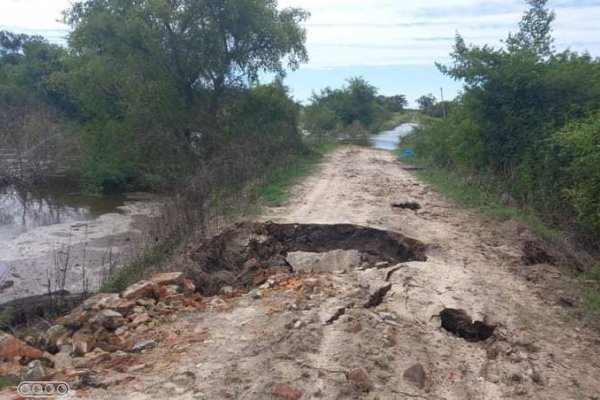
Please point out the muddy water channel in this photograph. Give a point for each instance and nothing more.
(388, 140)
(52, 237)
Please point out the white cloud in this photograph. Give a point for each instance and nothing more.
(33, 14)
(384, 32)
(375, 32)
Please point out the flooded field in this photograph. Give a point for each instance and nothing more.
(388, 140)
(54, 238)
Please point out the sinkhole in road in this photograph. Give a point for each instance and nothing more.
(460, 324)
(235, 256)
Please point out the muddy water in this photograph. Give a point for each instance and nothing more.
(388, 140)
(55, 226)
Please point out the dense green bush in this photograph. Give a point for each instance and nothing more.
(356, 105)
(160, 95)
(579, 155)
(503, 128)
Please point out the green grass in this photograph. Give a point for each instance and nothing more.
(276, 188)
(137, 268)
(5, 382)
(477, 197)
(590, 281)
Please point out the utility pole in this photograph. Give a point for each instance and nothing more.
(443, 104)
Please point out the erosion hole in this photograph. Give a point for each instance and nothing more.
(239, 254)
(410, 205)
(460, 324)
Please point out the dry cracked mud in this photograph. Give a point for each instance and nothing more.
(329, 320)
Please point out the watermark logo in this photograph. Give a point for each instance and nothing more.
(43, 389)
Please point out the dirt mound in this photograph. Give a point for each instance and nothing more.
(239, 255)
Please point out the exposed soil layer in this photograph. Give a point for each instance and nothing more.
(236, 256)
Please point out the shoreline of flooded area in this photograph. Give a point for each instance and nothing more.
(54, 239)
(389, 140)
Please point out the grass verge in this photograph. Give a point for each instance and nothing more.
(590, 281)
(5, 383)
(475, 195)
(137, 268)
(276, 187)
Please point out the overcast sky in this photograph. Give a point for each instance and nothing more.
(392, 43)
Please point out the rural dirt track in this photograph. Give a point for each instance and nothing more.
(279, 345)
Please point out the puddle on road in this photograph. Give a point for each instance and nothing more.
(236, 256)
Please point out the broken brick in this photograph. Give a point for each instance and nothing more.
(138, 290)
(11, 347)
(287, 392)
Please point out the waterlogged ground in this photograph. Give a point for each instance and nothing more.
(388, 140)
(56, 228)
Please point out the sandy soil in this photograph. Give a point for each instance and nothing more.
(280, 344)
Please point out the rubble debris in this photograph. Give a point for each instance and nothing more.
(460, 324)
(11, 347)
(416, 374)
(138, 290)
(101, 301)
(143, 345)
(102, 328)
(83, 342)
(108, 319)
(167, 278)
(287, 392)
(376, 298)
(360, 379)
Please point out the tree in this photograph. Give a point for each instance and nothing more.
(31, 110)
(395, 103)
(535, 31)
(198, 44)
(354, 105)
(504, 126)
(159, 80)
(426, 101)
(361, 96)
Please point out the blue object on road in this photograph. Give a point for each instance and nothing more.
(408, 153)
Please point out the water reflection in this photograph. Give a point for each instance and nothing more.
(22, 209)
(388, 140)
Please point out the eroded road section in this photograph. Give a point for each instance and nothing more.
(345, 296)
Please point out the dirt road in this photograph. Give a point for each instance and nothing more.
(308, 334)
